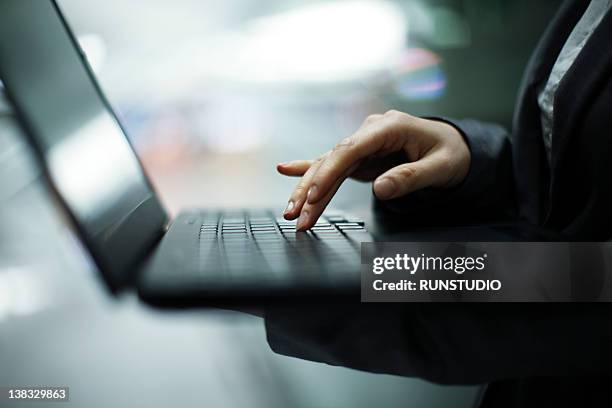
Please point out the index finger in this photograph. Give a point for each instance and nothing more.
(294, 168)
(342, 159)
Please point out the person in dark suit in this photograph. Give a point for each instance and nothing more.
(552, 170)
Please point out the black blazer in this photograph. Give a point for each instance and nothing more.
(529, 354)
(509, 175)
(509, 171)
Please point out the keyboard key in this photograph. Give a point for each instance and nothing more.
(227, 221)
(354, 220)
(323, 228)
(255, 243)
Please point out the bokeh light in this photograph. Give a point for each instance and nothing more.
(419, 76)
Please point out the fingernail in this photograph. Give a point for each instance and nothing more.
(384, 188)
(312, 193)
(302, 221)
(290, 206)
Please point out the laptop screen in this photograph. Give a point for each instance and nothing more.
(87, 157)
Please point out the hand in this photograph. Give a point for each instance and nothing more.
(400, 152)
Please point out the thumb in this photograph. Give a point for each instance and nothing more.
(409, 177)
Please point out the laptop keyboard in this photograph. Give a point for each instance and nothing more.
(240, 243)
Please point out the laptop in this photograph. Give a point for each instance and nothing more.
(201, 256)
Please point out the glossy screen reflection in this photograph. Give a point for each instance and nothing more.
(96, 172)
(87, 154)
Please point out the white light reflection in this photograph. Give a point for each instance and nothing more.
(21, 293)
(234, 124)
(94, 48)
(336, 41)
(94, 167)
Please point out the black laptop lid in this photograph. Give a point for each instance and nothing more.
(87, 157)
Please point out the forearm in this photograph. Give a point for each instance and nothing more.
(450, 344)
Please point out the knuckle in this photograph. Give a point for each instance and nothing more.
(396, 117)
(406, 172)
(391, 112)
(373, 118)
(300, 189)
(345, 143)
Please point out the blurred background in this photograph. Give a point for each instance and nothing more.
(236, 86)
(213, 94)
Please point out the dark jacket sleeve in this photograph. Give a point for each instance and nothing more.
(462, 344)
(487, 193)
